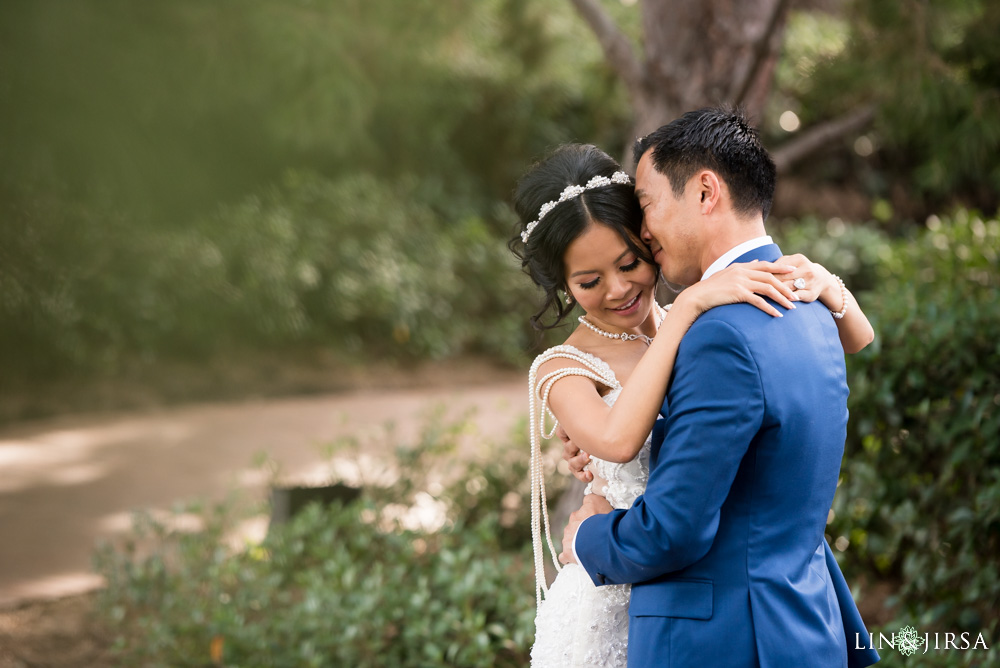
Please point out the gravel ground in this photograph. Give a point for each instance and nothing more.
(58, 633)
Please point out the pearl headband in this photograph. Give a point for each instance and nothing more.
(572, 192)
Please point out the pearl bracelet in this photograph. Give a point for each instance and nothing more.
(843, 292)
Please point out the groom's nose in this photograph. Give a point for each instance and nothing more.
(644, 232)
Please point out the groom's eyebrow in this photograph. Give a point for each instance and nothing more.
(594, 271)
(639, 194)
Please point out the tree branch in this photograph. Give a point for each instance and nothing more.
(816, 136)
(616, 45)
(761, 49)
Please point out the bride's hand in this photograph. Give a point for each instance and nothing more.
(600, 487)
(819, 282)
(574, 457)
(747, 282)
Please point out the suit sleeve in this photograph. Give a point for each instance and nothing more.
(713, 410)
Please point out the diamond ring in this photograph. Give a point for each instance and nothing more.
(799, 283)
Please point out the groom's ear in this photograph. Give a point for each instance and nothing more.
(710, 190)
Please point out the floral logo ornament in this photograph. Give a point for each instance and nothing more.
(908, 641)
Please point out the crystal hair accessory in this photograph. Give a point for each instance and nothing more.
(572, 192)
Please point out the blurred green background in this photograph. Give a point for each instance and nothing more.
(191, 189)
(192, 180)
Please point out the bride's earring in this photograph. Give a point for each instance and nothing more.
(569, 300)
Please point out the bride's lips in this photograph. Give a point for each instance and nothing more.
(630, 307)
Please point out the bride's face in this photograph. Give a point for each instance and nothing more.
(612, 284)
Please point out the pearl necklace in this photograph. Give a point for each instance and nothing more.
(622, 336)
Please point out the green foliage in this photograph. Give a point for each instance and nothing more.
(811, 40)
(919, 503)
(166, 109)
(930, 70)
(327, 589)
(360, 265)
(473, 479)
(342, 585)
(852, 251)
(370, 268)
(149, 213)
(196, 177)
(920, 499)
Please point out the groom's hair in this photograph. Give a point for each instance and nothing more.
(722, 140)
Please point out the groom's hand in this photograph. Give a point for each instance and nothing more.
(576, 458)
(592, 505)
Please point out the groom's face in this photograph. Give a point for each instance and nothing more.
(671, 226)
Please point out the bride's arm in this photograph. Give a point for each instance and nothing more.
(616, 433)
(854, 329)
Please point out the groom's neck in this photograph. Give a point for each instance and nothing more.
(730, 236)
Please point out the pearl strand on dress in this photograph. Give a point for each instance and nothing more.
(538, 406)
(538, 399)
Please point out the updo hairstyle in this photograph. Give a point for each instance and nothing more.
(614, 206)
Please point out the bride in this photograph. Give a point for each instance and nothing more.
(579, 235)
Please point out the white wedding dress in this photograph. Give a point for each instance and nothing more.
(578, 623)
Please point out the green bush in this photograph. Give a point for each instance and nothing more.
(326, 589)
(919, 503)
(369, 267)
(920, 499)
(404, 132)
(853, 251)
(340, 585)
(361, 266)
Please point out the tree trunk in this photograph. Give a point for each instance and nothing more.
(698, 53)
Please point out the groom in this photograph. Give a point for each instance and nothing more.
(726, 547)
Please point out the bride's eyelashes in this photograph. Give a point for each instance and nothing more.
(631, 266)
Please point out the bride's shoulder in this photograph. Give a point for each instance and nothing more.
(563, 351)
(565, 356)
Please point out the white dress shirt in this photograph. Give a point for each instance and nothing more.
(727, 258)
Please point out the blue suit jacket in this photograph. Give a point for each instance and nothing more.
(726, 547)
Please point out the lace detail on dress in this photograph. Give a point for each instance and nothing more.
(626, 482)
(578, 623)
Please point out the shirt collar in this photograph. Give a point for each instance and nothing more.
(727, 258)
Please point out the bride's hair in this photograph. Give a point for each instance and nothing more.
(613, 205)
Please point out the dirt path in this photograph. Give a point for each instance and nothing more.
(69, 482)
